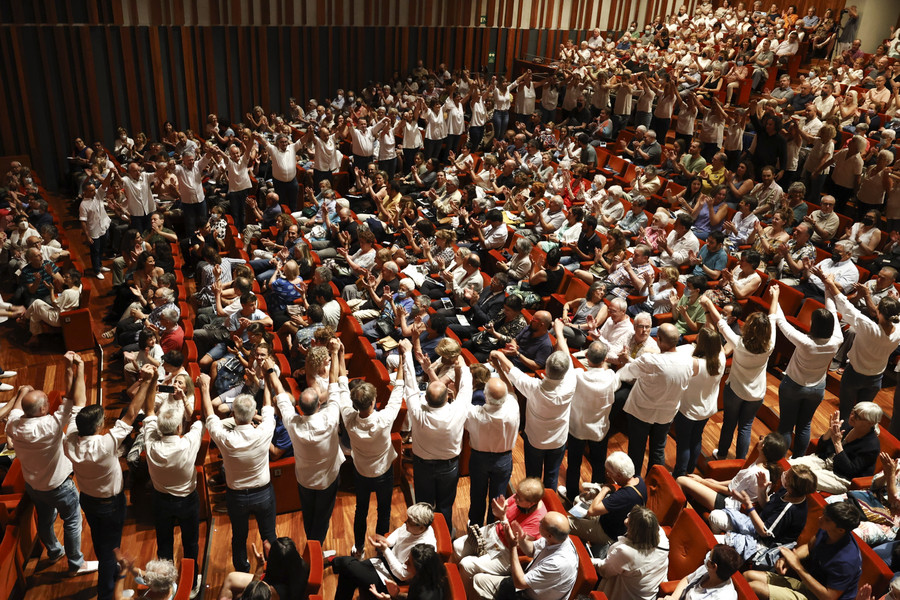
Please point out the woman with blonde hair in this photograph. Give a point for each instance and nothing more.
(746, 386)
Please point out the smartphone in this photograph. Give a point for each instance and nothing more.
(167, 389)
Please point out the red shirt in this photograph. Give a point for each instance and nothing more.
(172, 339)
(530, 522)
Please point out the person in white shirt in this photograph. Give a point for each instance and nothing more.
(95, 460)
(493, 429)
(37, 436)
(616, 331)
(437, 430)
(803, 387)
(383, 131)
(875, 342)
(595, 390)
(138, 197)
(362, 142)
(550, 575)
(839, 266)
(369, 431)
(314, 435)
(392, 565)
(95, 222)
(638, 561)
(245, 454)
(326, 155)
(659, 379)
(547, 405)
(284, 167)
(190, 188)
(170, 460)
(675, 249)
(712, 579)
(237, 169)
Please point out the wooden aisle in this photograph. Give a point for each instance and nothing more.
(44, 368)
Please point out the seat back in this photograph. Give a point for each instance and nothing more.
(185, 579)
(689, 541)
(312, 554)
(443, 543)
(874, 570)
(587, 574)
(742, 587)
(284, 484)
(664, 497)
(455, 588)
(815, 504)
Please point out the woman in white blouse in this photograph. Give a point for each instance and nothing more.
(637, 563)
(746, 387)
(699, 401)
(803, 386)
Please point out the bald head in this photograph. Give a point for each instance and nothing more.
(667, 337)
(495, 391)
(35, 404)
(309, 401)
(436, 394)
(555, 527)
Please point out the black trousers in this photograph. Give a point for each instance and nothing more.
(355, 575)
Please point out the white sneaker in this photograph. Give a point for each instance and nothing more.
(329, 553)
(563, 492)
(89, 566)
(6, 374)
(5, 387)
(195, 591)
(104, 269)
(99, 276)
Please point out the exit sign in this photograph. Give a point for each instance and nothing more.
(484, 19)
(492, 57)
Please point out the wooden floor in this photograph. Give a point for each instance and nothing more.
(44, 368)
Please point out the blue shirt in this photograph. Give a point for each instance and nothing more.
(537, 349)
(837, 566)
(716, 262)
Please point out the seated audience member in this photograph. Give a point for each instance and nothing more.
(391, 567)
(638, 561)
(712, 579)
(279, 566)
(829, 565)
(846, 450)
(486, 549)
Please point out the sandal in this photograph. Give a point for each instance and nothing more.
(109, 334)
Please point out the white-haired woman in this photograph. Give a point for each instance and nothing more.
(846, 450)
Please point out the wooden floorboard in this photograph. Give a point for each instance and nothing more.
(44, 368)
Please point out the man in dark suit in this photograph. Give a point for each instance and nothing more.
(486, 306)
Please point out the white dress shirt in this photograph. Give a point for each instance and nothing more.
(284, 164)
(616, 335)
(552, 572)
(362, 141)
(171, 458)
(190, 181)
(872, 347)
(659, 381)
(387, 143)
(95, 459)
(327, 156)
(679, 249)
(845, 274)
(595, 390)
(93, 213)
(138, 198)
(401, 542)
(245, 450)
(437, 432)
(495, 237)
(370, 437)
(38, 443)
(547, 406)
(316, 442)
(238, 173)
(494, 427)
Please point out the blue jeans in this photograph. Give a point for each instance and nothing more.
(476, 134)
(63, 501)
(259, 502)
(169, 510)
(688, 443)
(194, 215)
(436, 482)
(500, 121)
(797, 404)
(543, 464)
(739, 414)
(433, 148)
(856, 388)
(638, 434)
(287, 191)
(106, 516)
(489, 474)
(596, 456)
(317, 506)
(383, 486)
